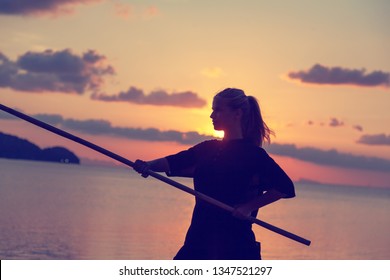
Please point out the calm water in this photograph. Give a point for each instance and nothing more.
(54, 211)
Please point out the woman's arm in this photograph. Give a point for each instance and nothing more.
(157, 165)
(245, 210)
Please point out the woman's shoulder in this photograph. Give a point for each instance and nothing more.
(259, 152)
(207, 144)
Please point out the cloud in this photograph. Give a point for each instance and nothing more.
(335, 122)
(185, 99)
(54, 8)
(40, 7)
(53, 119)
(324, 157)
(127, 11)
(54, 71)
(123, 10)
(5, 116)
(151, 11)
(358, 127)
(104, 127)
(330, 157)
(319, 74)
(66, 72)
(375, 139)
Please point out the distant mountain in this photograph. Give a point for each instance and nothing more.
(13, 147)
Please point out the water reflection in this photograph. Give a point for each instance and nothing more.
(78, 212)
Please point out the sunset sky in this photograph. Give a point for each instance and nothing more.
(138, 77)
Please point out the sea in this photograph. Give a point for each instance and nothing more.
(55, 211)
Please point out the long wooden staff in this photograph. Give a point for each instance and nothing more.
(151, 173)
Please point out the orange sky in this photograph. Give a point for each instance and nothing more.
(321, 83)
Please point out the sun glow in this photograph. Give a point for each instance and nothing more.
(219, 133)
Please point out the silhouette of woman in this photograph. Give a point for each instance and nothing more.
(236, 171)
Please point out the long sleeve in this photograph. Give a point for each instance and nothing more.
(275, 177)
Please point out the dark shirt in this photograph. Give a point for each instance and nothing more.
(232, 172)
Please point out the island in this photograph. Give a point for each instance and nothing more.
(13, 147)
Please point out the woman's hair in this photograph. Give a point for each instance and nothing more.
(252, 124)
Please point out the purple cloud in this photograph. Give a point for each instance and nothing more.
(335, 122)
(319, 74)
(375, 139)
(185, 99)
(54, 71)
(39, 7)
(358, 127)
(331, 157)
(104, 127)
(324, 157)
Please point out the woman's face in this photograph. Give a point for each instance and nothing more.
(224, 118)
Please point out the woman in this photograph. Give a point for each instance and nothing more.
(236, 171)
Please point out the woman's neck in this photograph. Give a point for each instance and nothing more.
(232, 135)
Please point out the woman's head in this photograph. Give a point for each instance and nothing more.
(247, 109)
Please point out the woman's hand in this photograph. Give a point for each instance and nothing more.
(142, 167)
(243, 211)
(157, 165)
